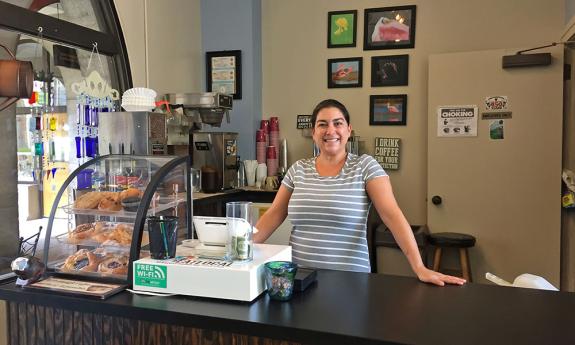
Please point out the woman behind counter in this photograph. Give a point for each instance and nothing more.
(328, 199)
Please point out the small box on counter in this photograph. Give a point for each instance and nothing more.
(193, 276)
(304, 278)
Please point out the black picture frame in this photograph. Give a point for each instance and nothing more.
(339, 33)
(390, 70)
(388, 110)
(226, 67)
(382, 29)
(345, 72)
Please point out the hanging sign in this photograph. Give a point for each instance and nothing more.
(304, 122)
(65, 56)
(387, 152)
(94, 85)
(457, 121)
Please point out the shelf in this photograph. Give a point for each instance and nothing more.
(116, 247)
(57, 267)
(162, 205)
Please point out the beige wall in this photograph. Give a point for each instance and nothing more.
(163, 39)
(295, 57)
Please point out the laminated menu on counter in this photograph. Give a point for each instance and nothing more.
(77, 287)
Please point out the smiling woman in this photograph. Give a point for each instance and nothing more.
(328, 199)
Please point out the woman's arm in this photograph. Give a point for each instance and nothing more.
(381, 194)
(274, 216)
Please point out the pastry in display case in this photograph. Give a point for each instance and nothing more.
(110, 198)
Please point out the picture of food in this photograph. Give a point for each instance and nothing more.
(389, 27)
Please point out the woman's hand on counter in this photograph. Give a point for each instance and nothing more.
(426, 275)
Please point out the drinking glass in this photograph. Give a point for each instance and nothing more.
(163, 232)
(279, 277)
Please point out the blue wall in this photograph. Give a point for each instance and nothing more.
(236, 25)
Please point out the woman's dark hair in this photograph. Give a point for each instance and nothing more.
(329, 103)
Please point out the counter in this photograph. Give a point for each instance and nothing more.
(214, 204)
(341, 308)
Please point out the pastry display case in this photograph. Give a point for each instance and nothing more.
(102, 230)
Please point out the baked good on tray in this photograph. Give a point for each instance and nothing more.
(91, 200)
(106, 233)
(83, 260)
(96, 261)
(81, 233)
(88, 200)
(114, 264)
(130, 193)
(110, 202)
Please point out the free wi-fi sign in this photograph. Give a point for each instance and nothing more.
(151, 275)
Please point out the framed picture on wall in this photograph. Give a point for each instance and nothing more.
(389, 28)
(391, 70)
(388, 110)
(345, 72)
(224, 72)
(341, 29)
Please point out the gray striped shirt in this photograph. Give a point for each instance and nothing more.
(329, 213)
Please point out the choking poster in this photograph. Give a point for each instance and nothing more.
(457, 121)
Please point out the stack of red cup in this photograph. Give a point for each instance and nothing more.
(275, 134)
(272, 162)
(265, 126)
(261, 146)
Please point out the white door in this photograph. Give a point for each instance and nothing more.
(504, 192)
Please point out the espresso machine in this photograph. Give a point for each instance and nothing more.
(212, 153)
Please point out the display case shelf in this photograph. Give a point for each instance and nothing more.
(162, 205)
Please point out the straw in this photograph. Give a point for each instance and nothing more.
(164, 237)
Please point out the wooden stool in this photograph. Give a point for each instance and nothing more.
(453, 240)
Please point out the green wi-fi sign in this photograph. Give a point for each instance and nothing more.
(151, 275)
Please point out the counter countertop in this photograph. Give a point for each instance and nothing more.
(200, 195)
(345, 307)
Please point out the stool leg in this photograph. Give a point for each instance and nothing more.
(436, 258)
(465, 267)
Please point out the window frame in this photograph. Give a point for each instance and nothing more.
(110, 43)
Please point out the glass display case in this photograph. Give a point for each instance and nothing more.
(103, 227)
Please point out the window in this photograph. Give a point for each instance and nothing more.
(60, 58)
